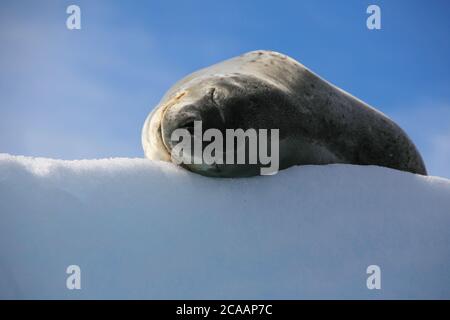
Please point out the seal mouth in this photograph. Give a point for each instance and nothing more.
(166, 149)
(165, 108)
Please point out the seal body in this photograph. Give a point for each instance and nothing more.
(318, 123)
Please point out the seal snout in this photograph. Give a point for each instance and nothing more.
(178, 118)
(194, 108)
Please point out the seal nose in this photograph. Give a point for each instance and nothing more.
(187, 125)
(184, 113)
(178, 118)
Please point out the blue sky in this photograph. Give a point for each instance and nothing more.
(86, 93)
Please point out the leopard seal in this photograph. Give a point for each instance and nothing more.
(318, 122)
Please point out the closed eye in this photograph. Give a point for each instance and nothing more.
(212, 95)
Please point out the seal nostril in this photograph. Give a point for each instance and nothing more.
(189, 126)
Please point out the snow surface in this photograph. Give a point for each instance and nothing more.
(143, 229)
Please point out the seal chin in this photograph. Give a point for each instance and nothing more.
(204, 169)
